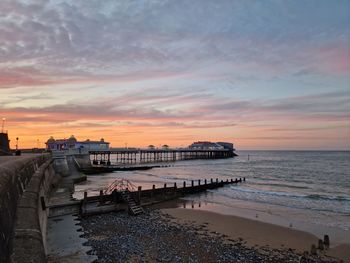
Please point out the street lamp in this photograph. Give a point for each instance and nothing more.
(3, 123)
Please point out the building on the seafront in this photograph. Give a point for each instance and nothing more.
(73, 143)
(4, 144)
(206, 145)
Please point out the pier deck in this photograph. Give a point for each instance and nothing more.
(140, 156)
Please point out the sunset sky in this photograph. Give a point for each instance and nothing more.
(260, 74)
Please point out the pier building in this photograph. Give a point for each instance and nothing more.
(206, 145)
(73, 143)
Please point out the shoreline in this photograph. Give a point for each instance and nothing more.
(253, 233)
(156, 236)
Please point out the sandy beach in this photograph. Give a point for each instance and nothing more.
(255, 233)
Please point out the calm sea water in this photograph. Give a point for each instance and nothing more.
(308, 190)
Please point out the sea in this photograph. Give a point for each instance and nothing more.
(303, 190)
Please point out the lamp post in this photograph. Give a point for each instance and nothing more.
(3, 123)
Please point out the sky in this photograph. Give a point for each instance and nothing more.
(260, 74)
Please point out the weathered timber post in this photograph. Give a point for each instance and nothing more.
(205, 181)
(211, 180)
(84, 202)
(231, 180)
(101, 197)
(199, 182)
(226, 180)
(192, 183)
(320, 244)
(313, 250)
(114, 196)
(139, 194)
(43, 205)
(217, 180)
(243, 179)
(184, 184)
(153, 190)
(175, 186)
(326, 241)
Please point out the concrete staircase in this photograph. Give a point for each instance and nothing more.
(134, 208)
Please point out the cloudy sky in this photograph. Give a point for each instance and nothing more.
(262, 74)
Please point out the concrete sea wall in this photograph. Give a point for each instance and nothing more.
(25, 183)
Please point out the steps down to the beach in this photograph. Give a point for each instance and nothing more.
(134, 208)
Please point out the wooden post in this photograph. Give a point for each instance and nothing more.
(153, 190)
(114, 196)
(175, 186)
(320, 244)
(199, 182)
(231, 180)
(205, 181)
(313, 250)
(43, 205)
(84, 202)
(211, 180)
(184, 184)
(217, 180)
(326, 241)
(164, 190)
(192, 183)
(101, 197)
(139, 194)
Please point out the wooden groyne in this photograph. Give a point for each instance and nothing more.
(138, 156)
(124, 199)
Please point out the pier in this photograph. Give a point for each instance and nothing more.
(141, 156)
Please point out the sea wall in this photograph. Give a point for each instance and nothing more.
(25, 182)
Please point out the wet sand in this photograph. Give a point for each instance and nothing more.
(255, 233)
